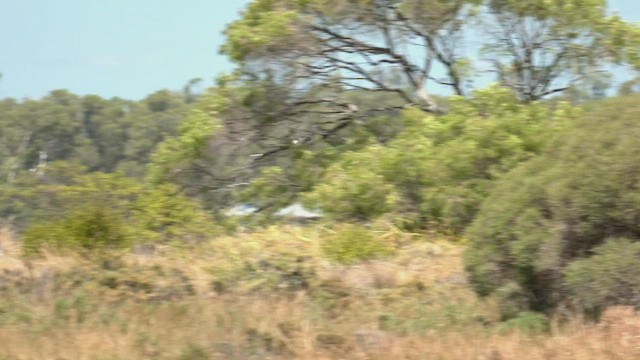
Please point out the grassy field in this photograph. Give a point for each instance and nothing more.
(273, 294)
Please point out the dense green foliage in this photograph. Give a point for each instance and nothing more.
(329, 107)
(320, 86)
(611, 276)
(557, 209)
(352, 243)
(68, 163)
(528, 322)
(68, 207)
(438, 170)
(103, 135)
(189, 142)
(89, 227)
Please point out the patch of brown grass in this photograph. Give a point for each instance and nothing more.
(416, 305)
(282, 329)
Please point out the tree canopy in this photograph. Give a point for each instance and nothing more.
(311, 74)
(560, 208)
(372, 112)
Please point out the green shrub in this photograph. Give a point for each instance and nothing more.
(90, 227)
(512, 300)
(528, 322)
(352, 243)
(439, 169)
(445, 166)
(193, 352)
(163, 213)
(610, 277)
(557, 208)
(353, 188)
(103, 211)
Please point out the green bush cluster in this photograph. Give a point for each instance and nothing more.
(541, 231)
(102, 134)
(610, 277)
(353, 243)
(89, 227)
(353, 190)
(439, 169)
(93, 211)
(529, 322)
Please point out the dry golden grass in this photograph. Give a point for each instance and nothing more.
(281, 329)
(414, 306)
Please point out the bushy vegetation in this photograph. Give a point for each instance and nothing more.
(610, 276)
(438, 170)
(120, 208)
(353, 189)
(70, 208)
(528, 322)
(352, 243)
(553, 212)
(163, 306)
(88, 227)
(103, 135)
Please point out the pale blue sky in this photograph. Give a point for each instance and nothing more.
(125, 48)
